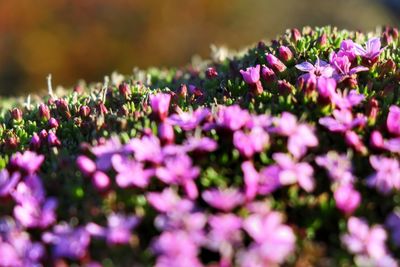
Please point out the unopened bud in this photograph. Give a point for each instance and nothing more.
(295, 35)
(34, 144)
(285, 54)
(275, 63)
(16, 114)
(53, 123)
(52, 139)
(44, 111)
(84, 111)
(211, 73)
(124, 89)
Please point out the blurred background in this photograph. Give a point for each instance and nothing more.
(87, 39)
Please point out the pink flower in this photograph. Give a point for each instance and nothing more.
(251, 143)
(160, 105)
(223, 199)
(393, 120)
(363, 240)
(251, 75)
(342, 121)
(372, 49)
(387, 175)
(130, 172)
(232, 117)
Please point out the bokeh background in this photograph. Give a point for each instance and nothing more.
(87, 39)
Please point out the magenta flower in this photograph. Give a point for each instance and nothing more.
(363, 240)
(118, 230)
(8, 182)
(166, 133)
(301, 136)
(130, 172)
(274, 241)
(347, 101)
(29, 162)
(168, 201)
(393, 120)
(189, 120)
(319, 69)
(387, 175)
(17, 249)
(372, 49)
(148, 148)
(179, 170)
(223, 199)
(160, 105)
(203, 144)
(347, 49)
(249, 144)
(32, 209)
(342, 121)
(232, 117)
(105, 150)
(343, 67)
(251, 75)
(291, 172)
(224, 235)
(68, 242)
(339, 167)
(347, 198)
(176, 248)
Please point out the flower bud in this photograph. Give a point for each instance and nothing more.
(372, 110)
(295, 35)
(267, 74)
(376, 139)
(347, 199)
(44, 111)
(11, 142)
(86, 165)
(53, 123)
(43, 135)
(101, 181)
(63, 108)
(34, 144)
(182, 91)
(78, 88)
(160, 105)
(101, 108)
(284, 87)
(275, 63)
(354, 140)
(285, 54)
(52, 139)
(322, 40)
(84, 111)
(16, 114)
(211, 73)
(124, 89)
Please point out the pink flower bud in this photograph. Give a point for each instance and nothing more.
(347, 199)
(53, 123)
(268, 74)
(34, 144)
(101, 108)
(160, 105)
(84, 111)
(101, 181)
(211, 73)
(376, 139)
(295, 35)
(44, 111)
(275, 63)
(53, 140)
(285, 54)
(43, 135)
(124, 89)
(16, 114)
(86, 165)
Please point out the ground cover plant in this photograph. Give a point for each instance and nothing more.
(286, 154)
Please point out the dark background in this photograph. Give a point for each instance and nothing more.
(74, 39)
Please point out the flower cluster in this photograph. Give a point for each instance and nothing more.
(287, 154)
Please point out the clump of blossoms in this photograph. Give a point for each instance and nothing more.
(284, 155)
